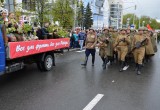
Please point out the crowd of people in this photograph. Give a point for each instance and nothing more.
(121, 45)
(15, 30)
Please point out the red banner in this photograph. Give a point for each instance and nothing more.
(149, 27)
(20, 49)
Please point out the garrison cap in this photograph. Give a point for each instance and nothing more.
(133, 30)
(145, 29)
(91, 29)
(123, 29)
(105, 29)
(111, 27)
(141, 29)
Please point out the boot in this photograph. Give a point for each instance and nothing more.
(85, 62)
(105, 63)
(103, 59)
(136, 68)
(111, 60)
(122, 65)
(93, 60)
(139, 69)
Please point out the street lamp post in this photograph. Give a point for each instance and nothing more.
(143, 23)
(118, 16)
(128, 20)
(139, 22)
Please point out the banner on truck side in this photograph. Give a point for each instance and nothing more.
(20, 49)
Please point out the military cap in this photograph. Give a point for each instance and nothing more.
(105, 29)
(133, 30)
(145, 29)
(91, 29)
(123, 29)
(111, 27)
(141, 29)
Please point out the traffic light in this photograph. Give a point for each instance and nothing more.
(135, 7)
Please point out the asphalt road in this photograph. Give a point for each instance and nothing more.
(70, 87)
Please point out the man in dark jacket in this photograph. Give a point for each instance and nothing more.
(81, 38)
(45, 32)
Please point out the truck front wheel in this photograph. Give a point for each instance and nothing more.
(48, 62)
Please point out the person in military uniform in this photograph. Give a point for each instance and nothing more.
(121, 44)
(158, 37)
(148, 47)
(113, 33)
(102, 40)
(90, 43)
(128, 32)
(138, 47)
(106, 48)
(130, 35)
(153, 40)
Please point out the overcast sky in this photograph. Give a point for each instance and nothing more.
(144, 7)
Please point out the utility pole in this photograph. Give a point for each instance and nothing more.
(134, 15)
(118, 16)
(75, 15)
(139, 22)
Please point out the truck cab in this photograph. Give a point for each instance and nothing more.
(2, 54)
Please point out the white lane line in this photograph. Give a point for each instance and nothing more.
(93, 102)
(80, 51)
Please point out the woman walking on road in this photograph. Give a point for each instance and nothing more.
(90, 43)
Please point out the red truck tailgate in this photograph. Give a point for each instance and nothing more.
(25, 48)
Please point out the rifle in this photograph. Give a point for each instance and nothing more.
(138, 45)
(120, 41)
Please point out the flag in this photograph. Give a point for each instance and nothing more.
(149, 27)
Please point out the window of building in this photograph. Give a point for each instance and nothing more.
(9, 4)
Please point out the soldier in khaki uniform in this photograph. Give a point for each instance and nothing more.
(128, 32)
(149, 47)
(113, 33)
(153, 40)
(103, 46)
(90, 43)
(121, 44)
(139, 50)
(110, 50)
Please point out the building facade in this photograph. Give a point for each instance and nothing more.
(116, 13)
(28, 5)
(107, 13)
(10, 5)
(100, 13)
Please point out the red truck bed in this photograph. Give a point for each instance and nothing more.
(26, 48)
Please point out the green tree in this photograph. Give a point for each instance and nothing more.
(41, 10)
(142, 21)
(129, 19)
(63, 13)
(80, 16)
(88, 20)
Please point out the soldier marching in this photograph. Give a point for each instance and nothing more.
(123, 45)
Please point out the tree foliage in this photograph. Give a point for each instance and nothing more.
(41, 9)
(88, 20)
(142, 21)
(63, 13)
(80, 16)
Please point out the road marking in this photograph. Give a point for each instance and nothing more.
(80, 51)
(93, 102)
(126, 67)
